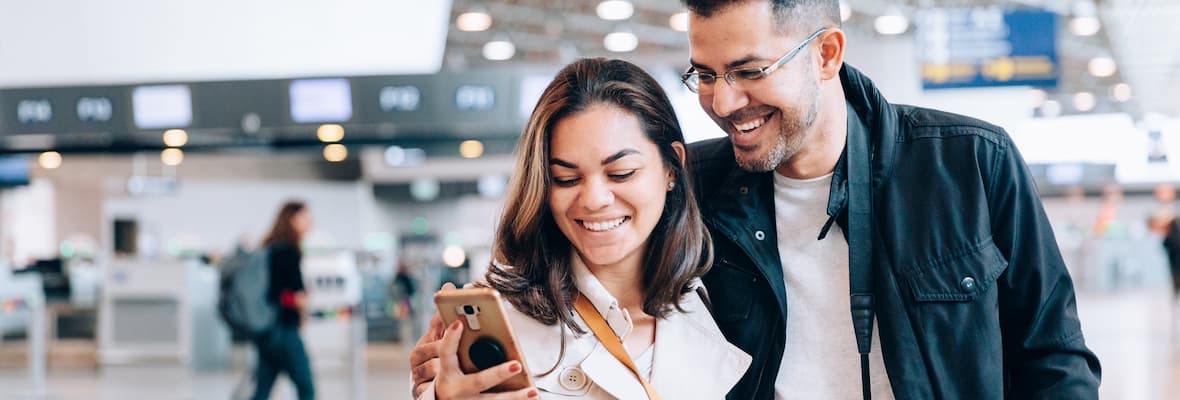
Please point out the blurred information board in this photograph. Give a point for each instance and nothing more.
(987, 46)
(444, 106)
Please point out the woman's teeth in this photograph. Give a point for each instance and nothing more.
(602, 226)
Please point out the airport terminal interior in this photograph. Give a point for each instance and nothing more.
(146, 145)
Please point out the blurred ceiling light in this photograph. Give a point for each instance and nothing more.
(679, 21)
(620, 42)
(1084, 101)
(330, 133)
(615, 10)
(491, 186)
(1050, 109)
(845, 11)
(474, 21)
(1121, 92)
(499, 50)
(892, 22)
(1085, 26)
(172, 157)
(49, 160)
(175, 137)
(471, 149)
(1038, 97)
(335, 152)
(1085, 19)
(397, 156)
(425, 189)
(1102, 66)
(454, 256)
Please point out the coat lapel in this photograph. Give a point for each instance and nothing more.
(611, 375)
(692, 359)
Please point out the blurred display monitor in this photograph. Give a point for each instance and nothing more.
(162, 106)
(1090, 176)
(321, 100)
(14, 171)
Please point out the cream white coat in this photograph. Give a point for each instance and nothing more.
(691, 359)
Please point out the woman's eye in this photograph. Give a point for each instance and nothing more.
(565, 182)
(622, 176)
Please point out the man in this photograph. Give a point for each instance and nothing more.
(969, 290)
(956, 262)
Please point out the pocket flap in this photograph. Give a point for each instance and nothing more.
(960, 278)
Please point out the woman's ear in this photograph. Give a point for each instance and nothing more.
(680, 153)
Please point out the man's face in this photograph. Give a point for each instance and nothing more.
(768, 120)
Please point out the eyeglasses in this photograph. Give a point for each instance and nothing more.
(695, 80)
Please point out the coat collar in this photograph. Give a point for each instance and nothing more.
(606, 304)
(691, 359)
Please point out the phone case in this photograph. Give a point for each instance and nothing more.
(486, 333)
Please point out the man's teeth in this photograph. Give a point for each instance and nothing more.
(603, 225)
(750, 125)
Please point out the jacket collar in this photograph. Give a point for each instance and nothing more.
(879, 120)
(868, 114)
(606, 304)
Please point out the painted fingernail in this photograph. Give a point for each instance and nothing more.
(455, 325)
(533, 393)
(514, 367)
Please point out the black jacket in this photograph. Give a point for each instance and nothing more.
(952, 200)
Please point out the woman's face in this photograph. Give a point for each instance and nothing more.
(608, 184)
(301, 221)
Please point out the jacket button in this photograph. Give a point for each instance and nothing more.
(967, 284)
(759, 235)
(573, 379)
(744, 190)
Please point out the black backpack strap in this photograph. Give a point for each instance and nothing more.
(860, 243)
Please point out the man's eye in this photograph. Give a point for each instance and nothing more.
(749, 74)
(706, 78)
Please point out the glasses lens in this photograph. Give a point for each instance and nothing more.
(750, 74)
(692, 81)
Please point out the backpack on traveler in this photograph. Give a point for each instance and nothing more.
(243, 303)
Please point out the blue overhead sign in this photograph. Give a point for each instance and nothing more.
(988, 46)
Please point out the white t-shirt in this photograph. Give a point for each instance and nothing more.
(820, 360)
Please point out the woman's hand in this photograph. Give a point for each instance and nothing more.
(452, 383)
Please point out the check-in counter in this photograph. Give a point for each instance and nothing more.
(145, 311)
(22, 303)
(335, 329)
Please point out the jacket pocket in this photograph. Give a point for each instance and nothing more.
(960, 278)
(730, 290)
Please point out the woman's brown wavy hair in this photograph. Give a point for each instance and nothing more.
(282, 231)
(531, 257)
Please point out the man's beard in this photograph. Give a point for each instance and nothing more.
(792, 135)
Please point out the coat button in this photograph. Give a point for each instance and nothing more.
(759, 235)
(967, 284)
(573, 379)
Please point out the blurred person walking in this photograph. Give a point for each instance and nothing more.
(282, 349)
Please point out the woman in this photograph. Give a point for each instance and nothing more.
(282, 349)
(602, 207)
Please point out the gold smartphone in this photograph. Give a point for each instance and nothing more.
(487, 340)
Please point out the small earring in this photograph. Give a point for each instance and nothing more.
(671, 185)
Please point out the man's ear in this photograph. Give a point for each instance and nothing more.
(831, 53)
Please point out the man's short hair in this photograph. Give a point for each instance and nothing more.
(788, 14)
